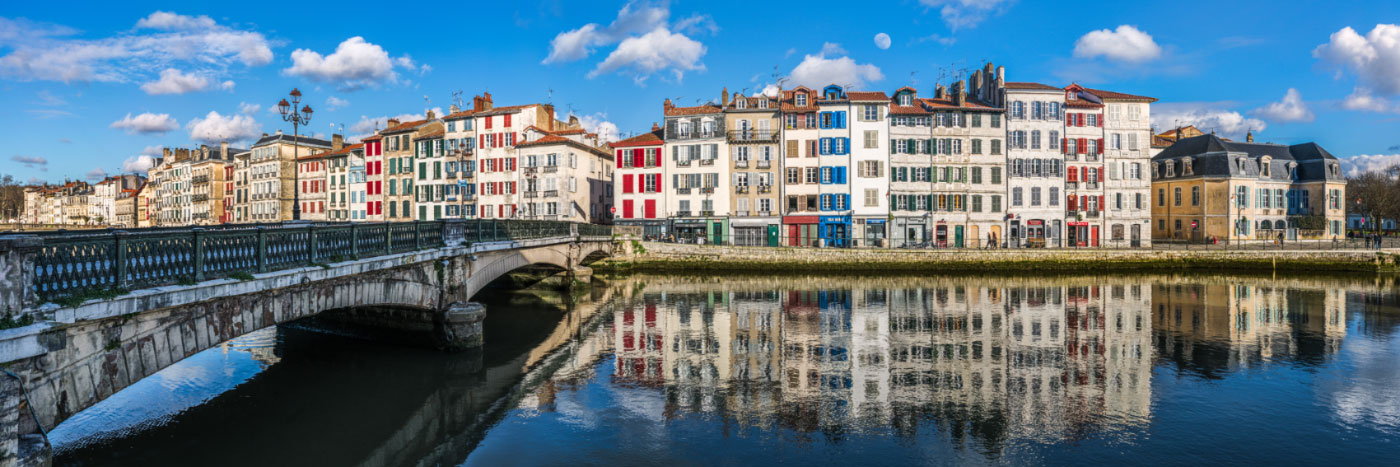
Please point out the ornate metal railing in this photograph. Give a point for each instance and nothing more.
(77, 262)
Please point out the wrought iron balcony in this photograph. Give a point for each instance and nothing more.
(741, 189)
(683, 163)
(551, 193)
(705, 162)
(707, 190)
(764, 164)
(752, 136)
(765, 188)
(741, 164)
(683, 191)
(549, 169)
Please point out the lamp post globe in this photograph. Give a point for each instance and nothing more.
(297, 119)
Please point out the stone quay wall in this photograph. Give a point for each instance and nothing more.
(673, 258)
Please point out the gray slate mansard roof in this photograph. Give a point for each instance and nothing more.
(1213, 156)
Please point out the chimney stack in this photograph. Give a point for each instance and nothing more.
(393, 122)
(337, 142)
(667, 104)
(724, 97)
(655, 127)
(486, 101)
(279, 132)
(959, 94)
(452, 109)
(431, 115)
(938, 92)
(223, 151)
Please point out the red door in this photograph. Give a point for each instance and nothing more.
(1094, 235)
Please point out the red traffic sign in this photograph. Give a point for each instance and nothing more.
(613, 209)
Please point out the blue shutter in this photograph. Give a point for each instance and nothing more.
(841, 119)
(841, 175)
(845, 145)
(846, 201)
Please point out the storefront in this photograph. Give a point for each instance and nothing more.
(800, 230)
(710, 231)
(836, 230)
(909, 231)
(758, 231)
(1035, 233)
(652, 229)
(1081, 234)
(874, 233)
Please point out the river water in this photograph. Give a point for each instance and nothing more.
(687, 370)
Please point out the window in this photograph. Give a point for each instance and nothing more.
(1176, 196)
(1035, 194)
(996, 175)
(1115, 141)
(1016, 196)
(977, 175)
(1054, 196)
(872, 139)
(976, 146)
(872, 113)
(872, 197)
(996, 147)
(800, 99)
(996, 121)
(996, 203)
(794, 175)
(811, 175)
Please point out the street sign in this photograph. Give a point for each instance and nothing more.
(613, 209)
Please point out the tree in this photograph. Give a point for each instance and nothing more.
(1375, 195)
(11, 198)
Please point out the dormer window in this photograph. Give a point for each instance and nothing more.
(906, 99)
(1336, 170)
(763, 103)
(1171, 169)
(1265, 168)
(1186, 170)
(1070, 95)
(801, 99)
(741, 103)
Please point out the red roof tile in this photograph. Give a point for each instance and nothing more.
(866, 96)
(406, 126)
(696, 110)
(1118, 96)
(650, 138)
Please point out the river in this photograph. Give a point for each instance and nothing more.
(690, 370)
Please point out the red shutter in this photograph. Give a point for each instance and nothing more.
(1069, 119)
(501, 210)
(1073, 175)
(512, 188)
(619, 158)
(1100, 143)
(1100, 196)
(658, 182)
(1084, 203)
(626, 209)
(1064, 145)
(1071, 201)
(650, 206)
(626, 183)
(1100, 174)
(656, 158)
(1083, 145)
(506, 119)
(1100, 120)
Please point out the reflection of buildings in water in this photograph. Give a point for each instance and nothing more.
(1223, 325)
(1034, 359)
(261, 345)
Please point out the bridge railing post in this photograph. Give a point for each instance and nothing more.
(417, 235)
(120, 258)
(262, 248)
(197, 239)
(354, 241)
(388, 237)
(311, 253)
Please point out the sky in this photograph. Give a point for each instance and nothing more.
(96, 89)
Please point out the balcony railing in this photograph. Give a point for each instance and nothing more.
(707, 190)
(752, 136)
(549, 169)
(683, 191)
(683, 163)
(705, 162)
(764, 164)
(532, 194)
(551, 193)
(765, 188)
(682, 213)
(707, 213)
(741, 164)
(741, 189)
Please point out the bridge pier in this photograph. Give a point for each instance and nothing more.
(459, 327)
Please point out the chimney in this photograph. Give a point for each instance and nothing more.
(959, 93)
(279, 132)
(165, 152)
(223, 151)
(1178, 133)
(393, 122)
(486, 101)
(1001, 76)
(549, 115)
(573, 121)
(203, 152)
(667, 104)
(452, 109)
(476, 103)
(337, 142)
(431, 115)
(1249, 136)
(938, 92)
(655, 127)
(724, 97)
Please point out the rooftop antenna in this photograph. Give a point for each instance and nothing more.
(457, 98)
(427, 104)
(549, 98)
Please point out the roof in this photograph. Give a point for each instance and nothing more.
(502, 110)
(575, 131)
(650, 138)
(556, 139)
(302, 140)
(866, 96)
(459, 115)
(1031, 86)
(345, 150)
(1210, 155)
(371, 138)
(402, 127)
(696, 110)
(1118, 96)
(435, 134)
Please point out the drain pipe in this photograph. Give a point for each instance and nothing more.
(25, 392)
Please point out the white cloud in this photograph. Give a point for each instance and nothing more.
(967, 13)
(1374, 58)
(152, 151)
(1359, 164)
(137, 164)
(1125, 44)
(598, 123)
(1206, 116)
(33, 162)
(368, 125)
(882, 41)
(656, 51)
(354, 65)
(147, 124)
(42, 52)
(174, 22)
(1290, 109)
(333, 103)
(95, 175)
(647, 43)
(1364, 100)
(47, 98)
(172, 81)
(770, 90)
(215, 128)
(246, 108)
(936, 38)
(818, 70)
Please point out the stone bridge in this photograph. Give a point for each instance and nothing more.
(109, 308)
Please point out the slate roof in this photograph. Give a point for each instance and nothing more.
(1210, 156)
(302, 140)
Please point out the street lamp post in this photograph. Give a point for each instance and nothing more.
(297, 118)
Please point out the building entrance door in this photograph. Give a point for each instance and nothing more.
(1136, 235)
(957, 236)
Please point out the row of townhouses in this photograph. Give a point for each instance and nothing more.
(984, 160)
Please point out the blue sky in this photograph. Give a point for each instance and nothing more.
(94, 87)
